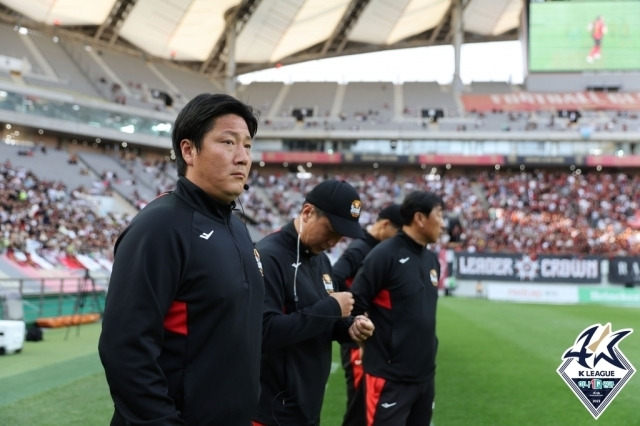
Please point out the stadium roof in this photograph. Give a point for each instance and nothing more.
(195, 33)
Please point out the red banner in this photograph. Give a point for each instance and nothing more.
(301, 157)
(460, 160)
(531, 101)
(613, 161)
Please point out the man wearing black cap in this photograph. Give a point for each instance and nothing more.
(388, 223)
(303, 311)
(397, 286)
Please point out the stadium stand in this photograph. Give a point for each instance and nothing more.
(119, 175)
(45, 224)
(13, 47)
(185, 85)
(368, 104)
(552, 211)
(64, 75)
(311, 102)
(490, 87)
(554, 208)
(262, 96)
(49, 164)
(423, 96)
(139, 79)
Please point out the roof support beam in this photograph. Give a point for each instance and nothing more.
(107, 22)
(235, 18)
(119, 18)
(436, 31)
(458, 39)
(108, 31)
(339, 37)
(230, 75)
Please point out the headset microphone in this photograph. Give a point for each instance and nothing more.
(246, 187)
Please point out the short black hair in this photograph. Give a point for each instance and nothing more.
(199, 116)
(419, 201)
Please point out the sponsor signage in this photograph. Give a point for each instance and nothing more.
(609, 296)
(380, 158)
(518, 267)
(544, 160)
(532, 101)
(533, 293)
(624, 270)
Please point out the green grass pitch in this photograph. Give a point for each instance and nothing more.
(559, 39)
(496, 366)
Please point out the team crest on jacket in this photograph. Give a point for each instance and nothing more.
(328, 283)
(594, 367)
(433, 274)
(258, 262)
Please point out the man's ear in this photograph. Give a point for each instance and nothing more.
(307, 211)
(188, 151)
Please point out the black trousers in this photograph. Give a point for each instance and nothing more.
(398, 403)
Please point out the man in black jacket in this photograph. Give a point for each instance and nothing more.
(397, 286)
(345, 268)
(181, 333)
(303, 311)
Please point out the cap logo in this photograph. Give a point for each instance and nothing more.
(356, 205)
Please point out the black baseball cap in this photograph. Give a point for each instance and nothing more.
(392, 212)
(341, 204)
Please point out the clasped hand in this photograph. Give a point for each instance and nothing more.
(361, 329)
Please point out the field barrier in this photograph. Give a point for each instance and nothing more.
(58, 300)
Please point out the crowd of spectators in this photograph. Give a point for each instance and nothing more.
(544, 211)
(46, 224)
(557, 213)
(529, 212)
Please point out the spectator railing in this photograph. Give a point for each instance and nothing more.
(56, 297)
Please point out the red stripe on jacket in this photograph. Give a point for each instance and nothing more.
(383, 299)
(176, 319)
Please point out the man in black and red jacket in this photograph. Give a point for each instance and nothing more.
(182, 328)
(344, 270)
(303, 310)
(397, 286)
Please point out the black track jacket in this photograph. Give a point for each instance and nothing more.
(398, 286)
(181, 334)
(297, 346)
(345, 268)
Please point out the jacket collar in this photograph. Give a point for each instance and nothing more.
(413, 244)
(289, 230)
(200, 200)
(370, 239)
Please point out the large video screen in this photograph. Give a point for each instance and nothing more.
(583, 35)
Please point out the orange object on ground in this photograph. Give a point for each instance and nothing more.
(67, 320)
